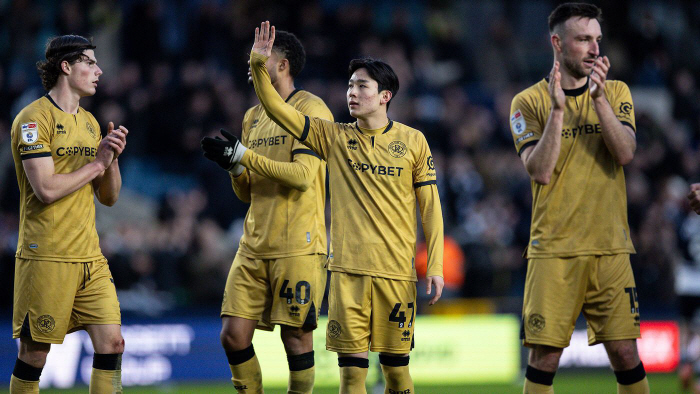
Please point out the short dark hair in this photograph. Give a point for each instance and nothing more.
(566, 11)
(70, 48)
(289, 46)
(379, 71)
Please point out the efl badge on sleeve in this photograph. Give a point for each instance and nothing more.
(517, 122)
(29, 133)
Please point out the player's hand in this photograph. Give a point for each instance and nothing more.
(694, 197)
(264, 38)
(224, 153)
(439, 283)
(556, 93)
(598, 76)
(105, 153)
(116, 139)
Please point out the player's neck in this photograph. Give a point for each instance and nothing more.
(284, 87)
(373, 121)
(65, 98)
(570, 82)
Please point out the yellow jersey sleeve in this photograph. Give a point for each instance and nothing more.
(241, 186)
(433, 227)
(33, 138)
(525, 126)
(620, 98)
(423, 167)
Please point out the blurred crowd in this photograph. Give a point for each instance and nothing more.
(175, 71)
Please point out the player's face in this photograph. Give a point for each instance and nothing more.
(271, 65)
(363, 94)
(580, 45)
(85, 74)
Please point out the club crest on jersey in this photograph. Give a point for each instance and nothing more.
(91, 130)
(29, 133)
(517, 122)
(397, 149)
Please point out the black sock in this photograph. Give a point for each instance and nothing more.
(538, 376)
(631, 376)
(240, 356)
(300, 362)
(25, 371)
(107, 362)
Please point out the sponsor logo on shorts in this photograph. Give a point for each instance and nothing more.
(536, 323)
(406, 336)
(407, 391)
(397, 149)
(45, 323)
(241, 387)
(293, 310)
(334, 329)
(33, 246)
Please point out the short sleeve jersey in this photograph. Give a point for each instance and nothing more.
(583, 209)
(65, 229)
(283, 221)
(373, 200)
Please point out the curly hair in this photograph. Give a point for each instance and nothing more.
(289, 46)
(69, 48)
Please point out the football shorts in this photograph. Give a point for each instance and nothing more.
(557, 290)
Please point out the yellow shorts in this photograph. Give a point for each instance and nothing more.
(53, 298)
(557, 290)
(370, 313)
(286, 291)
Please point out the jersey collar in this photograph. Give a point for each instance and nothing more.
(388, 126)
(56, 105)
(574, 92)
(292, 94)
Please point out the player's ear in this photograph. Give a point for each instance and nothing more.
(385, 96)
(283, 65)
(65, 66)
(556, 42)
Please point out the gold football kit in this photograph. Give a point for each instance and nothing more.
(60, 233)
(579, 236)
(279, 275)
(378, 180)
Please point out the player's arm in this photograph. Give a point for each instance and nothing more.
(541, 158)
(298, 174)
(50, 187)
(694, 197)
(305, 129)
(619, 138)
(108, 184)
(431, 218)
(241, 185)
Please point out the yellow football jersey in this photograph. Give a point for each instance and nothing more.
(583, 209)
(283, 221)
(65, 229)
(375, 177)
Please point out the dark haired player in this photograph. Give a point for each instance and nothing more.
(278, 275)
(574, 131)
(62, 280)
(379, 170)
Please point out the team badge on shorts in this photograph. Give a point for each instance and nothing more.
(334, 329)
(45, 323)
(536, 322)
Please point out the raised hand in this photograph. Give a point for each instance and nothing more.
(598, 76)
(116, 139)
(556, 93)
(264, 38)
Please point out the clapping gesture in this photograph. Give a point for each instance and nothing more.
(264, 38)
(598, 76)
(556, 93)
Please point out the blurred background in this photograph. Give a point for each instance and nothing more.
(175, 71)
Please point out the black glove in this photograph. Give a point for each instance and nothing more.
(224, 153)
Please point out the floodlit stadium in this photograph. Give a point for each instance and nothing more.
(175, 72)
